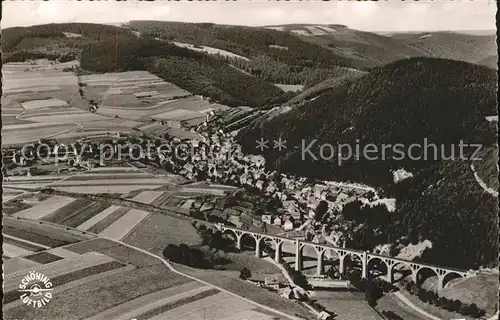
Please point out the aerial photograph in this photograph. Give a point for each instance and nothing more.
(249, 160)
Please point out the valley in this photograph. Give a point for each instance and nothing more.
(132, 177)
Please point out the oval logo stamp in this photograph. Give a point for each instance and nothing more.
(36, 289)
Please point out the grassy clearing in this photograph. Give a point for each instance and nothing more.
(158, 231)
(16, 205)
(161, 199)
(23, 234)
(10, 120)
(481, 290)
(238, 261)
(115, 251)
(173, 202)
(85, 214)
(248, 290)
(432, 309)
(392, 303)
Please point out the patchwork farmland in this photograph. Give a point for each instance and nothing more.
(77, 234)
(88, 268)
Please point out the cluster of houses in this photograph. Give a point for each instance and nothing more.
(56, 156)
(218, 157)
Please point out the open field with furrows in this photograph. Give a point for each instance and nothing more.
(8, 193)
(46, 207)
(104, 272)
(84, 214)
(208, 305)
(350, 305)
(18, 134)
(102, 287)
(209, 50)
(182, 109)
(123, 253)
(42, 235)
(44, 102)
(157, 231)
(247, 290)
(111, 181)
(394, 304)
(13, 120)
(33, 182)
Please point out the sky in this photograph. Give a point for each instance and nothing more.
(391, 15)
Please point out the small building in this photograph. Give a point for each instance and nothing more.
(288, 225)
(277, 221)
(267, 218)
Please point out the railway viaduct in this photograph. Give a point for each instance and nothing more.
(368, 260)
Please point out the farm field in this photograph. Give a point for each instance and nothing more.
(140, 286)
(158, 230)
(17, 134)
(111, 180)
(247, 290)
(351, 305)
(8, 193)
(97, 270)
(42, 101)
(45, 207)
(90, 264)
(96, 180)
(31, 233)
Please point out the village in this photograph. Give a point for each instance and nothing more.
(214, 157)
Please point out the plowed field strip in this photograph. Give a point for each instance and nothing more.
(161, 199)
(109, 220)
(86, 214)
(33, 237)
(66, 210)
(43, 257)
(22, 244)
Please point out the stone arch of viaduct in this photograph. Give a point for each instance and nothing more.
(443, 274)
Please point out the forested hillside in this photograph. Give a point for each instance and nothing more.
(368, 49)
(49, 40)
(441, 101)
(274, 56)
(194, 71)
